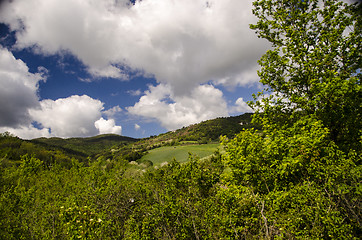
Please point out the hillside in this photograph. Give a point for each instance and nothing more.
(131, 149)
(88, 146)
(112, 146)
(204, 132)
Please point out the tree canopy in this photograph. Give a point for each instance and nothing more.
(314, 65)
(303, 170)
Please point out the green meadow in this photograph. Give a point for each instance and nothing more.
(180, 153)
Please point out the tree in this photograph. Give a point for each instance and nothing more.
(314, 65)
(303, 171)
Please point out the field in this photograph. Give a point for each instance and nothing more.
(180, 153)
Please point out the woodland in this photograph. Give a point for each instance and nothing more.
(292, 170)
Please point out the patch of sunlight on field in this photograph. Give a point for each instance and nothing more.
(180, 153)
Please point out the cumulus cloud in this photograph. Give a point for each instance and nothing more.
(107, 126)
(27, 131)
(241, 107)
(172, 111)
(72, 116)
(20, 107)
(182, 43)
(75, 116)
(18, 90)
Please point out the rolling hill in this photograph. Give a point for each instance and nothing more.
(111, 146)
(89, 145)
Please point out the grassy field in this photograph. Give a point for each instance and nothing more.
(180, 153)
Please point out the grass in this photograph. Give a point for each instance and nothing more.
(180, 153)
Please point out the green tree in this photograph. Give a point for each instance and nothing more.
(302, 172)
(314, 65)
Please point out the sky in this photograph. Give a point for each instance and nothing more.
(78, 68)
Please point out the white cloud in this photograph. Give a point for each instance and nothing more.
(65, 117)
(205, 102)
(27, 132)
(107, 126)
(183, 43)
(75, 116)
(134, 92)
(112, 111)
(241, 107)
(18, 90)
(72, 116)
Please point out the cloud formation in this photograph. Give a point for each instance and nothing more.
(182, 43)
(241, 106)
(187, 45)
(72, 116)
(107, 126)
(20, 107)
(205, 102)
(18, 90)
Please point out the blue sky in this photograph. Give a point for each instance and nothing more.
(76, 68)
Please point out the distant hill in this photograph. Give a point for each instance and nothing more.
(110, 146)
(204, 132)
(88, 145)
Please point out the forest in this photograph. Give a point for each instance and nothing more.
(292, 170)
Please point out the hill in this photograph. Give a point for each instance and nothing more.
(112, 146)
(204, 132)
(88, 145)
(201, 133)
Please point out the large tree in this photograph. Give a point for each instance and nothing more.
(314, 65)
(302, 172)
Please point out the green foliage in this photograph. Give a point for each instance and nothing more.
(204, 132)
(179, 202)
(314, 65)
(302, 172)
(85, 146)
(80, 222)
(305, 184)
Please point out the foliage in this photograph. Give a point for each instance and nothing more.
(204, 132)
(12, 149)
(306, 186)
(80, 222)
(302, 172)
(314, 65)
(86, 146)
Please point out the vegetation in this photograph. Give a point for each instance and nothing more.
(304, 169)
(180, 153)
(204, 132)
(296, 176)
(86, 146)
